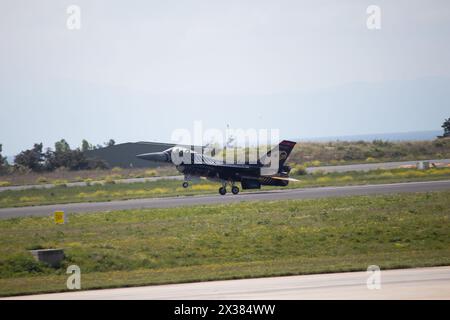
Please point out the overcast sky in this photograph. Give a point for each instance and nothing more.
(137, 70)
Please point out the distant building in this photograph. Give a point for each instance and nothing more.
(124, 155)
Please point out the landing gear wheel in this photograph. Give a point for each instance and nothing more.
(223, 191)
(185, 184)
(235, 190)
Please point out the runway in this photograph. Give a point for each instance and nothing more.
(286, 194)
(424, 283)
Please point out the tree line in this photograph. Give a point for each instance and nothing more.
(62, 156)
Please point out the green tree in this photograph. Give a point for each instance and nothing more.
(85, 145)
(32, 158)
(110, 143)
(62, 146)
(446, 127)
(3, 162)
(64, 157)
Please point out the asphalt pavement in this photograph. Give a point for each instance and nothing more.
(285, 194)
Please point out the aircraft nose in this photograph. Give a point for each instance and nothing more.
(154, 156)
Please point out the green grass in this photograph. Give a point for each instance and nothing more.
(347, 152)
(165, 188)
(61, 175)
(251, 239)
(371, 177)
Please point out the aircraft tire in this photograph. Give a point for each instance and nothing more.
(223, 191)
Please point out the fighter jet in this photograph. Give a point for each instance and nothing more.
(269, 170)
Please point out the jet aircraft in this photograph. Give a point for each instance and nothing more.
(269, 170)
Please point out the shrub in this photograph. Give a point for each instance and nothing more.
(99, 193)
(387, 174)
(60, 183)
(315, 163)
(353, 153)
(151, 173)
(345, 178)
(110, 180)
(41, 180)
(323, 179)
(5, 183)
(299, 170)
(116, 169)
(159, 190)
(20, 264)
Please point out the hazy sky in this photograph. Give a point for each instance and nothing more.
(137, 70)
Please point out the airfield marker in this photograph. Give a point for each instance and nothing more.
(59, 217)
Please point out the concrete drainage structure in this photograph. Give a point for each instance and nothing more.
(52, 257)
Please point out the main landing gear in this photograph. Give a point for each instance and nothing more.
(223, 190)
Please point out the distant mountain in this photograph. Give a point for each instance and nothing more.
(395, 136)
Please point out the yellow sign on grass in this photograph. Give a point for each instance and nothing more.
(59, 217)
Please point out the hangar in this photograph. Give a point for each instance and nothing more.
(124, 154)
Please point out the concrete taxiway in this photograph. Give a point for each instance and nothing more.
(423, 283)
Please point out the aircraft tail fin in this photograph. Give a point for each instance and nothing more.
(283, 149)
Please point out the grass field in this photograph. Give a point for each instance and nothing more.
(165, 188)
(60, 176)
(346, 152)
(155, 246)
